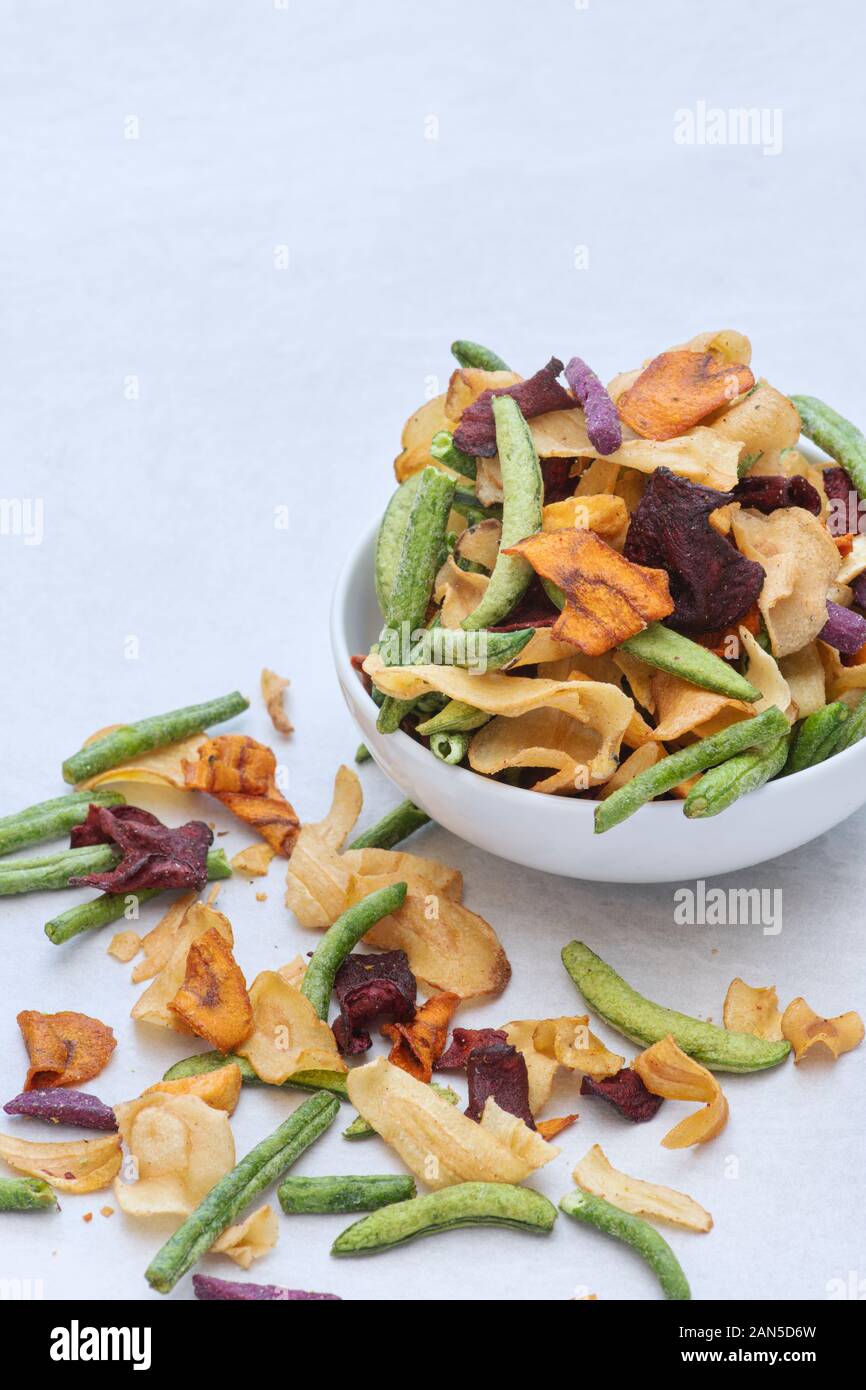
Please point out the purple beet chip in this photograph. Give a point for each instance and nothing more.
(626, 1093)
(208, 1287)
(837, 485)
(769, 492)
(152, 854)
(64, 1108)
(498, 1071)
(464, 1041)
(711, 583)
(858, 585)
(476, 433)
(602, 421)
(844, 629)
(379, 986)
(557, 479)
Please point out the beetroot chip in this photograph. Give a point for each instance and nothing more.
(64, 1108)
(476, 433)
(558, 482)
(464, 1041)
(769, 493)
(859, 587)
(711, 583)
(498, 1070)
(208, 1287)
(152, 854)
(372, 987)
(602, 421)
(626, 1093)
(838, 485)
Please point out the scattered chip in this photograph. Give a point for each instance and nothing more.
(81, 1165)
(154, 1006)
(370, 987)
(213, 999)
(287, 1034)
(417, 1045)
(626, 1093)
(254, 860)
(273, 694)
(153, 855)
(64, 1049)
(804, 1029)
(250, 1239)
(750, 1009)
(124, 946)
(179, 1147)
(220, 1088)
(498, 1070)
(241, 773)
(595, 1174)
(464, 1041)
(667, 1071)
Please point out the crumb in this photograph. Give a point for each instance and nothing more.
(261, 897)
(106, 1211)
(88, 1216)
(220, 834)
(714, 950)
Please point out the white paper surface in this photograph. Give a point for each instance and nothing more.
(167, 389)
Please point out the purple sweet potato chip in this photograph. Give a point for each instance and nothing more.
(464, 1041)
(558, 482)
(207, 1287)
(153, 855)
(711, 583)
(602, 421)
(476, 433)
(64, 1108)
(379, 986)
(844, 629)
(498, 1070)
(769, 493)
(626, 1093)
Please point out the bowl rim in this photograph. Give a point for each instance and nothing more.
(474, 783)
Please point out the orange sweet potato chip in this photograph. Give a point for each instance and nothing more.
(64, 1049)
(667, 1071)
(804, 1028)
(416, 1046)
(213, 999)
(548, 1129)
(241, 773)
(679, 389)
(220, 1089)
(608, 598)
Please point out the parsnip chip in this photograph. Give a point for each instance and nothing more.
(607, 516)
(595, 704)
(643, 757)
(220, 1088)
(679, 389)
(287, 1034)
(64, 1049)
(752, 1009)
(153, 1006)
(800, 563)
(449, 947)
(80, 1165)
(124, 946)
(595, 1174)
(160, 941)
(417, 1045)
(667, 1071)
(705, 455)
(468, 383)
(571, 1043)
(345, 808)
(250, 1239)
(160, 767)
(179, 1147)
(488, 483)
(763, 422)
(254, 860)
(804, 1029)
(544, 738)
(763, 671)
(438, 1143)
(394, 865)
(683, 708)
(608, 598)
(293, 971)
(417, 436)
(213, 999)
(273, 693)
(458, 591)
(241, 773)
(804, 673)
(541, 1069)
(479, 544)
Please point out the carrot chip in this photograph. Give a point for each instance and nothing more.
(679, 389)
(608, 598)
(154, 1006)
(416, 1046)
(213, 999)
(668, 1072)
(64, 1049)
(241, 773)
(804, 1029)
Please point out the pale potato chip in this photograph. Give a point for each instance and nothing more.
(220, 1088)
(344, 810)
(805, 1029)
(287, 1034)
(762, 421)
(543, 649)
(273, 693)
(159, 942)
(417, 436)
(643, 758)
(599, 479)
(479, 544)
(800, 563)
(458, 591)
(804, 673)
(436, 1141)
(667, 1071)
(250, 1239)
(124, 946)
(763, 671)
(683, 708)
(466, 384)
(153, 1006)
(600, 707)
(160, 767)
(602, 513)
(595, 1174)
(560, 434)
(752, 1009)
(543, 738)
(449, 947)
(705, 455)
(395, 865)
(293, 971)
(179, 1148)
(571, 1043)
(80, 1165)
(540, 1068)
(841, 682)
(254, 860)
(488, 483)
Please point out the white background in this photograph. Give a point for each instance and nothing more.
(154, 258)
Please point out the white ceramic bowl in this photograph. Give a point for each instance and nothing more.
(555, 834)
